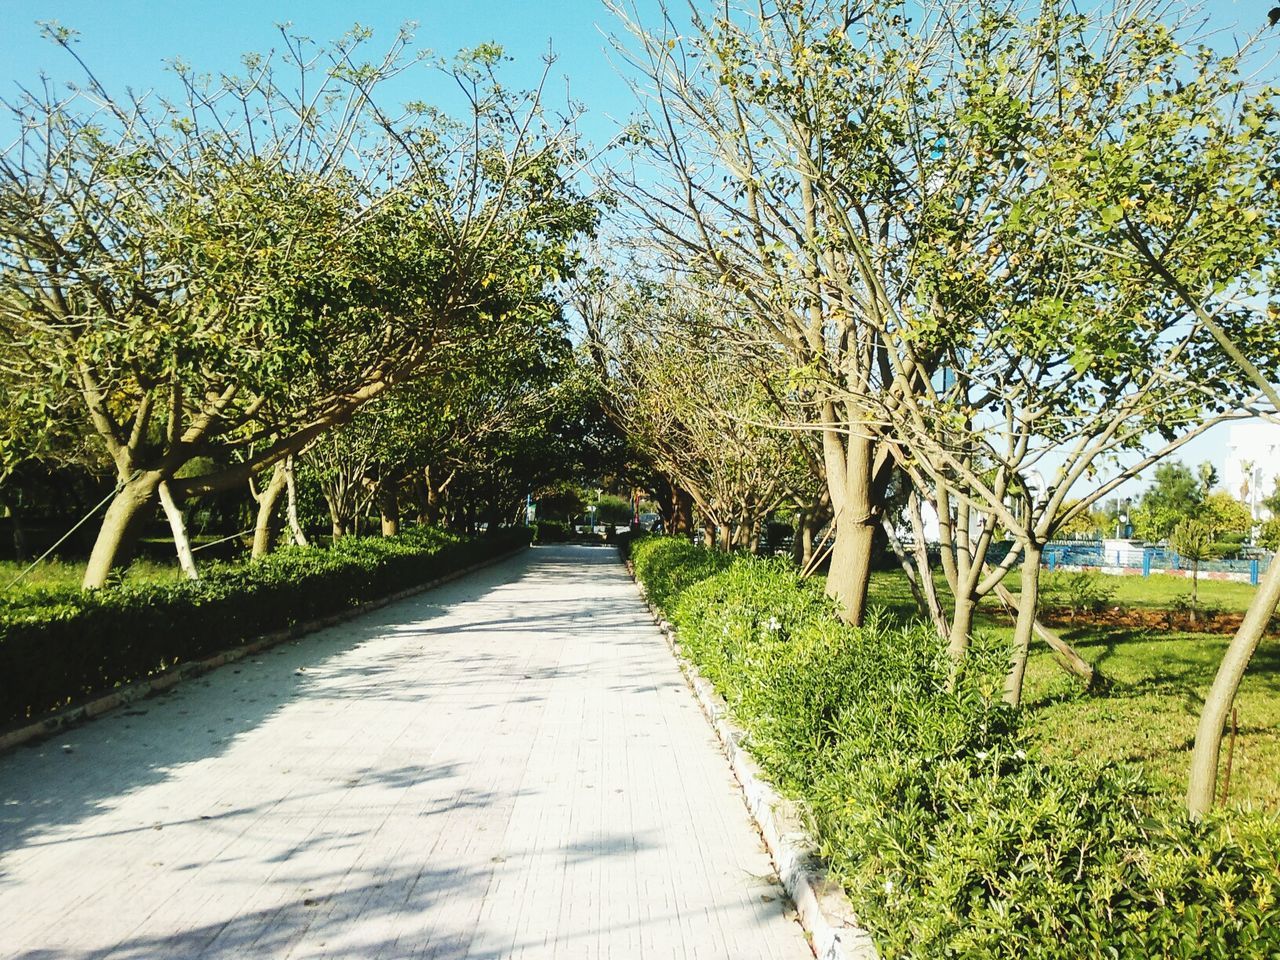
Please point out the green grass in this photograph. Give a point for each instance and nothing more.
(60, 574)
(1156, 592)
(1149, 715)
(1160, 591)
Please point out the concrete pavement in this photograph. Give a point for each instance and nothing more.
(507, 766)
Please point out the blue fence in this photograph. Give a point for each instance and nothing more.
(1091, 553)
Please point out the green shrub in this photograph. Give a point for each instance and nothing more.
(1000, 854)
(1079, 591)
(666, 565)
(60, 646)
(551, 531)
(952, 837)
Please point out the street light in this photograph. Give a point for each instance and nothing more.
(1122, 520)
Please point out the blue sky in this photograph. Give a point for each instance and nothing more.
(128, 41)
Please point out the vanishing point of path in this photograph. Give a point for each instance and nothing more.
(507, 766)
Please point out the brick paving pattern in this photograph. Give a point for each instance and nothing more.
(509, 766)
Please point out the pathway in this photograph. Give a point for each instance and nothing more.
(506, 766)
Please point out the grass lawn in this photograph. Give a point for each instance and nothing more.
(1156, 592)
(1159, 679)
(58, 574)
(156, 563)
(1149, 716)
(1160, 591)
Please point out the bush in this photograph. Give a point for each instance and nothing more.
(60, 646)
(667, 565)
(953, 838)
(1000, 854)
(612, 510)
(551, 531)
(1079, 591)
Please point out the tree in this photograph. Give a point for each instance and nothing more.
(701, 408)
(879, 189)
(1193, 540)
(1207, 475)
(1087, 526)
(1056, 344)
(1272, 502)
(1227, 517)
(744, 113)
(1174, 495)
(242, 270)
(562, 501)
(1201, 196)
(957, 314)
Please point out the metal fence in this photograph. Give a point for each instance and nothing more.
(1147, 560)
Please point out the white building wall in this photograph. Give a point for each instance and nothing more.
(1253, 464)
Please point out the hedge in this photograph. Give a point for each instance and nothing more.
(552, 531)
(951, 835)
(60, 647)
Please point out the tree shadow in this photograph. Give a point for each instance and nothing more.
(1182, 668)
(78, 786)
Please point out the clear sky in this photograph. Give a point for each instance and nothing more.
(128, 42)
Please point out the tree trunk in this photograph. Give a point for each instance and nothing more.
(801, 550)
(1195, 588)
(1028, 602)
(808, 531)
(340, 523)
(1203, 780)
(291, 504)
(121, 524)
(389, 506)
(1066, 655)
(434, 503)
(264, 529)
(681, 512)
(493, 516)
(920, 551)
(961, 631)
(418, 492)
(849, 574)
(178, 527)
(708, 534)
(19, 531)
(850, 468)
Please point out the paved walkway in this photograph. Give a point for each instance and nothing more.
(508, 766)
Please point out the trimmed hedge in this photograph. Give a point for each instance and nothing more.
(552, 531)
(951, 835)
(60, 647)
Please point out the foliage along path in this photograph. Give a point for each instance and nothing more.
(508, 766)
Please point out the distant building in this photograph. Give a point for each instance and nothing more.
(1253, 464)
(932, 528)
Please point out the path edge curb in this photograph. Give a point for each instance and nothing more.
(69, 717)
(824, 911)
